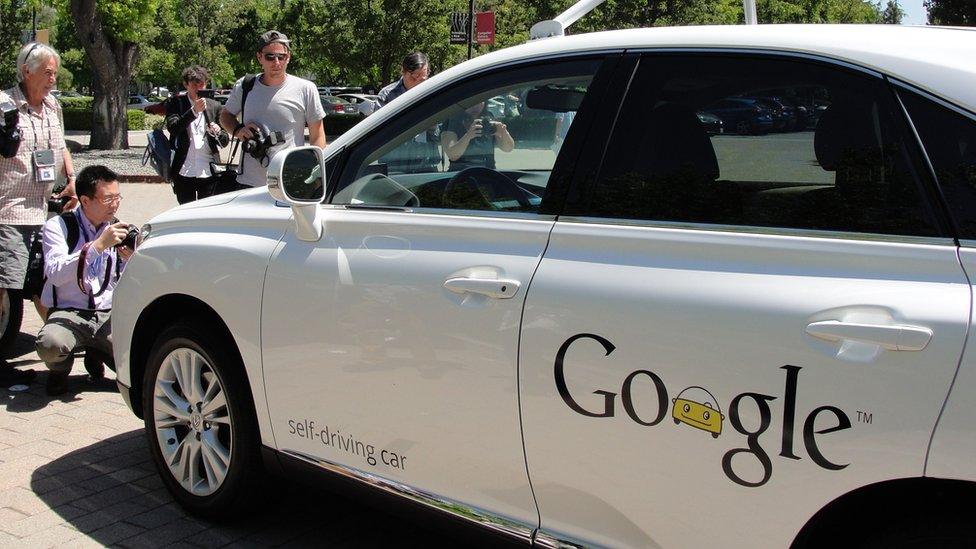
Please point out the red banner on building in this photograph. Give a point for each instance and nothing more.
(484, 24)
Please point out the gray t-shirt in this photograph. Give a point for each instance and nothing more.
(287, 108)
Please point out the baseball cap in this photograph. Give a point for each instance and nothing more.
(271, 37)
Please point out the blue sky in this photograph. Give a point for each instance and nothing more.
(914, 12)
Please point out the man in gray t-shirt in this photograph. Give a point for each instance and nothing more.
(280, 101)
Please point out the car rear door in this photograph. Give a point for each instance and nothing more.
(390, 346)
(727, 332)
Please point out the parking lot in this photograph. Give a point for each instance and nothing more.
(75, 470)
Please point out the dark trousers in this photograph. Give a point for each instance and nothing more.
(188, 189)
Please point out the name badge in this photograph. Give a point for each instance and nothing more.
(44, 165)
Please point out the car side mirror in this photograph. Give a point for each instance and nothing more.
(297, 177)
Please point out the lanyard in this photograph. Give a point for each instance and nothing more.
(44, 118)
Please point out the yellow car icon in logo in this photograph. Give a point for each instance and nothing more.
(697, 407)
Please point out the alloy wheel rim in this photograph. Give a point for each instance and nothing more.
(192, 421)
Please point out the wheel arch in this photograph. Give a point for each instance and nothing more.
(162, 312)
(858, 513)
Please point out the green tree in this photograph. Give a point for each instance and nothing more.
(961, 13)
(15, 16)
(892, 13)
(109, 31)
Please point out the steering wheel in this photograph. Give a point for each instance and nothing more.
(467, 188)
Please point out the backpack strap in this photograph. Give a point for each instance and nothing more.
(246, 86)
(71, 237)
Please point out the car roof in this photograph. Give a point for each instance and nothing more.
(935, 59)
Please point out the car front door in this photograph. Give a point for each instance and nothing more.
(727, 332)
(390, 345)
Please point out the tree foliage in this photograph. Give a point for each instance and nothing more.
(951, 12)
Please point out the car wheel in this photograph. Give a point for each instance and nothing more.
(11, 315)
(200, 422)
(742, 127)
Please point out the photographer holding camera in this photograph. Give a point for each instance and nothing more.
(469, 139)
(195, 136)
(85, 251)
(33, 155)
(276, 109)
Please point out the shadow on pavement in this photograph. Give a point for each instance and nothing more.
(110, 491)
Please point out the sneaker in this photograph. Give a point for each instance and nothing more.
(94, 365)
(57, 383)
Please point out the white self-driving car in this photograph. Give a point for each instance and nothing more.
(582, 317)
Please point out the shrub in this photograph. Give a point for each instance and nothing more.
(83, 102)
(81, 119)
(155, 122)
(137, 119)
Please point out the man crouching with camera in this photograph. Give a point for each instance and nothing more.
(85, 251)
(274, 109)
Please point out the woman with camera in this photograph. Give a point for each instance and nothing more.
(469, 139)
(33, 156)
(195, 136)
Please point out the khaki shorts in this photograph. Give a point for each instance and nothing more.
(15, 241)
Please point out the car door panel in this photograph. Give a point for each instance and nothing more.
(373, 364)
(661, 311)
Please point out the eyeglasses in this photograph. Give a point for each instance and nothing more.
(110, 199)
(275, 56)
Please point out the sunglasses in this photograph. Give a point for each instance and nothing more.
(275, 56)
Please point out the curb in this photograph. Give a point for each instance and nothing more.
(141, 179)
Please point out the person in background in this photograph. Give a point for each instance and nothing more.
(195, 137)
(414, 70)
(28, 177)
(81, 277)
(279, 101)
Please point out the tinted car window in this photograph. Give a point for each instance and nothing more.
(492, 148)
(800, 145)
(950, 142)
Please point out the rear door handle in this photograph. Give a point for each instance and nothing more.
(498, 288)
(892, 337)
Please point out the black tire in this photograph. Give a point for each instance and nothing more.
(237, 491)
(11, 317)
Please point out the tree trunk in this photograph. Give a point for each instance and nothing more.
(111, 62)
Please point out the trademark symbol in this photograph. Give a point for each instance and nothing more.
(864, 417)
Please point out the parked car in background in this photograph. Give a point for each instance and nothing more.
(784, 115)
(340, 115)
(364, 103)
(642, 336)
(712, 123)
(139, 102)
(741, 115)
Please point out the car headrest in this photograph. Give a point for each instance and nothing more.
(845, 130)
(677, 143)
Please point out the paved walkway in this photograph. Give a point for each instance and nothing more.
(76, 471)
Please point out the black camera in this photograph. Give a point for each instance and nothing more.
(262, 139)
(486, 126)
(9, 132)
(209, 93)
(130, 238)
(56, 205)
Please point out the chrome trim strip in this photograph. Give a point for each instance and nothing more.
(468, 513)
(548, 541)
(773, 231)
(528, 216)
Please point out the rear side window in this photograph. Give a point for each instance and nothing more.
(766, 142)
(950, 142)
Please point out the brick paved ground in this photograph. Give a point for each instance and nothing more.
(76, 471)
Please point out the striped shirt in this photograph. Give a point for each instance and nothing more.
(23, 200)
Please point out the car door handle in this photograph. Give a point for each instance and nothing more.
(892, 337)
(498, 288)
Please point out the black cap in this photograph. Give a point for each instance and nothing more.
(271, 37)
